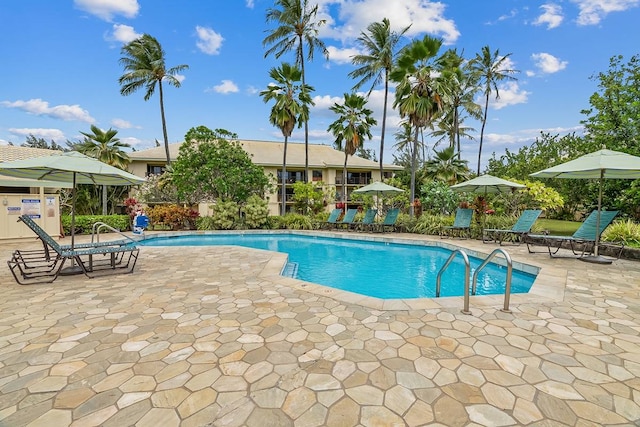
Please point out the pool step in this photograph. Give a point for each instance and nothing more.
(290, 270)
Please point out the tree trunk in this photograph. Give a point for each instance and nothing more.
(164, 124)
(284, 177)
(484, 122)
(104, 200)
(384, 121)
(344, 181)
(414, 156)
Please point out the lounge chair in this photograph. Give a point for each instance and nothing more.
(348, 219)
(518, 230)
(389, 222)
(332, 220)
(461, 225)
(585, 236)
(93, 259)
(367, 220)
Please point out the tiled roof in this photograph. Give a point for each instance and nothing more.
(9, 153)
(269, 153)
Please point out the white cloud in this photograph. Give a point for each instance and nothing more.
(252, 90)
(132, 141)
(124, 33)
(107, 9)
(250, 4)
(180, 77)
(342, 56)
(547, 63)
(225, 87)
(593, 11)
(510, 94)
(209, 41)
(39, 107)
(551, 17)
(48, 134)
(123, 124)
(323, 102)
(356, 15)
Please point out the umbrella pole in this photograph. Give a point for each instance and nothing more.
(596, 258)
(73, 268)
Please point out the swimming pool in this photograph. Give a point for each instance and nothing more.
(378, 269)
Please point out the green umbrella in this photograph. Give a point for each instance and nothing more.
(602, 164)
(378, 189)
(71, 167)
(487, 184)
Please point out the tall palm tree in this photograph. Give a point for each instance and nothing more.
(489, 69)
(351, 127)
(450, 127)
(291, 108)
(104, 146)
(379, 44)
(446, 166)
(296, 27)
(419, 93)
(461, 90)
(144, 65)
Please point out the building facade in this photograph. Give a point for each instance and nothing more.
(325, 165)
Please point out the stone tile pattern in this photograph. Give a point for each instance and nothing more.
(198, 337)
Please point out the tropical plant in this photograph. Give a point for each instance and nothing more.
(311, 197)
(418, 95)
(438, 197)
(256, 212)
(296, 27)
(291, 108)
(447, 166)
(488, 69)
(460, 92)
(106, 147)
(217, 169)
(379, 45)
(350, 128)
(144, 65)
(224, 215)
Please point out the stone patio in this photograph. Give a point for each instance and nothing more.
(213, 336)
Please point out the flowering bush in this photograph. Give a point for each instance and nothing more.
(174, 216)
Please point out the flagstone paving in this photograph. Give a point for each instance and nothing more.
(212, 336)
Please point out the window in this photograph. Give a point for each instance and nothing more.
(155, 169)
(317, 175)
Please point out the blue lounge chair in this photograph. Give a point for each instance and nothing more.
(94, 259)
(389, 222)
(585, 236)
(461, 225)
(367, 220)
(348, 219)
(332, 220)
(518, 230)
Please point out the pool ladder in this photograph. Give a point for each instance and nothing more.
(467, 269)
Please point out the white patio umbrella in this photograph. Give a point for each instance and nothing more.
(71, 167)
(487, 184)
(378, 189)
(602, 164)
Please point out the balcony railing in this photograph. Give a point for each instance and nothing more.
(354, 181)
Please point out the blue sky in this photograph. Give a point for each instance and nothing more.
(60, 64)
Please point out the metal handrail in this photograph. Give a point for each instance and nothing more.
(467, 269)
(95, 231)
(507, 288)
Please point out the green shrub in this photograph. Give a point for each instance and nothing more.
(256, 212)
(275, 222)
(172, 216)
(84, 223)
(405, 223)
(294, 221)
(431, 224)
(225, 215)
(626, 232)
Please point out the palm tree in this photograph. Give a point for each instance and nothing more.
(461, 91)
(419, 93)
(104, 146)
(379, 44)
(450, 128)
(297, 27)
(351, 127)
(144, 65)
(291, 108)
(489, 69)
(446, 166)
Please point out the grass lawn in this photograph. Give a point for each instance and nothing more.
(558, 227)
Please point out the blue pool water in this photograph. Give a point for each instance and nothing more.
(377, 269)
